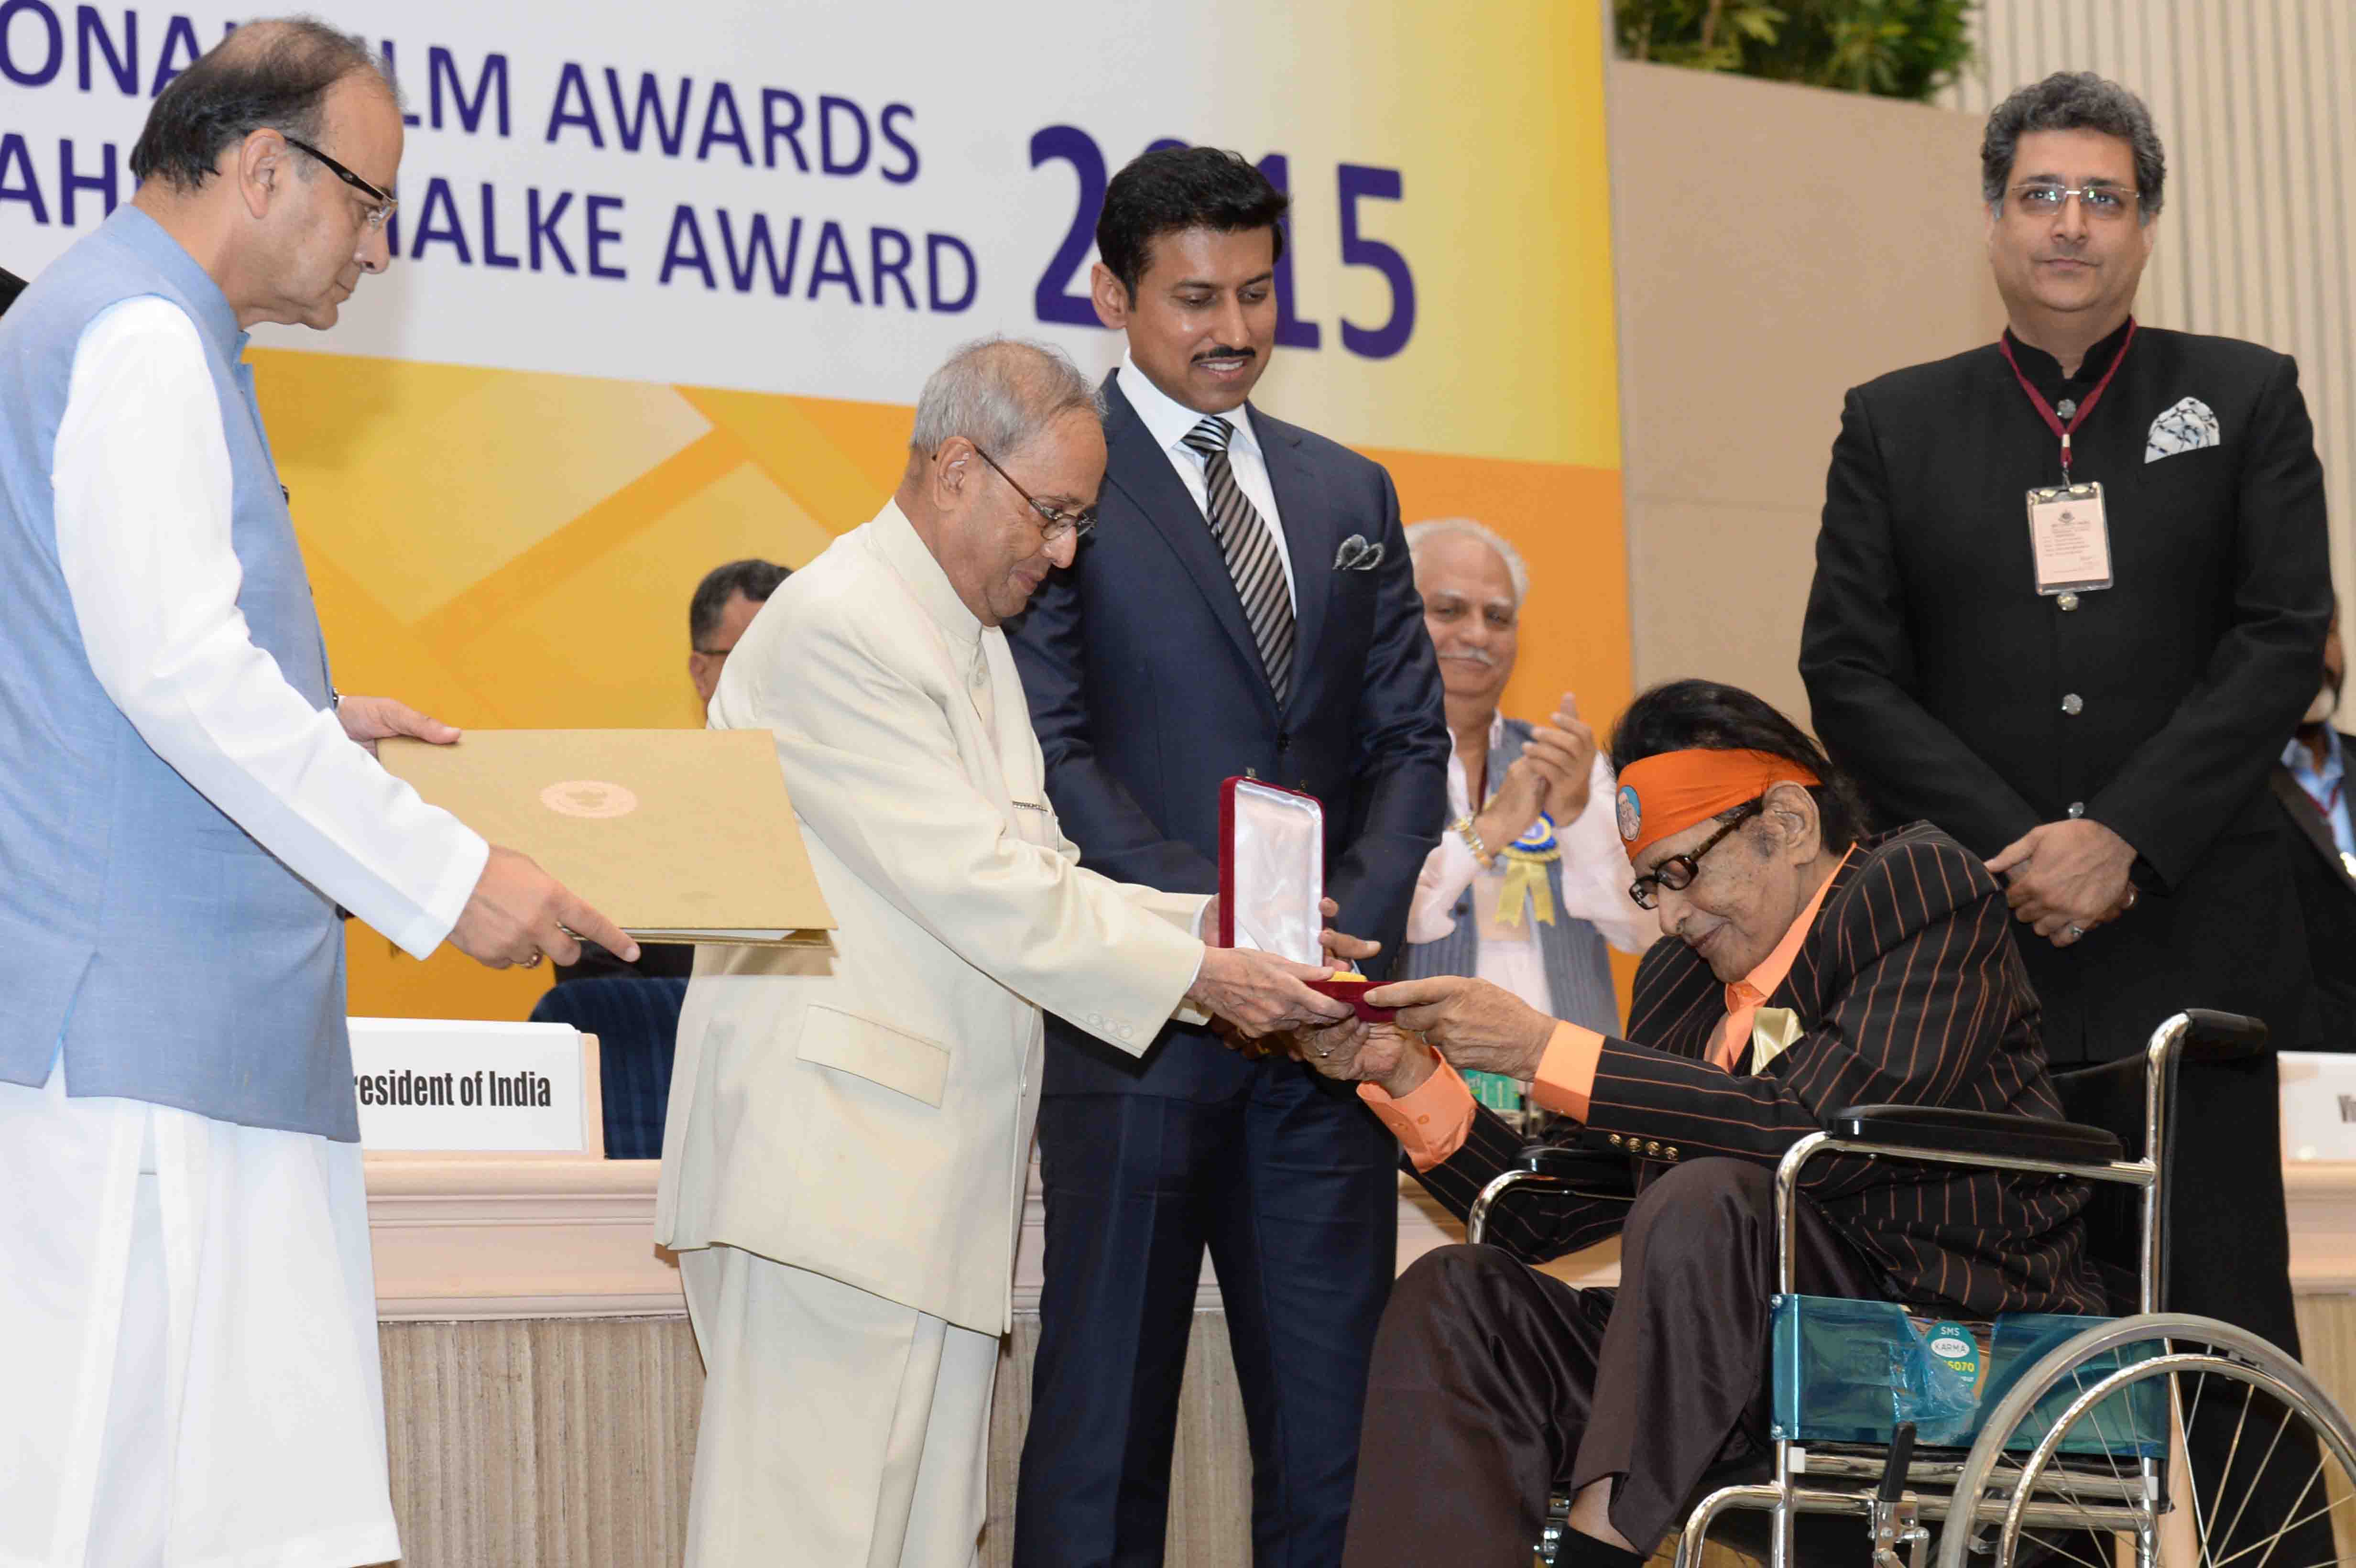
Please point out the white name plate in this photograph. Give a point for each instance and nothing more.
(2319, 1104)
(434, 1084)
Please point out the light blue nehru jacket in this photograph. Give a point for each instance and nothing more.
(170, 956)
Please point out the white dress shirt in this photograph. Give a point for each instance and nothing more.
(143, 505)
(1171, 421)
(1595, 878)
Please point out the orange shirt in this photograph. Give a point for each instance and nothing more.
(1431, 1122)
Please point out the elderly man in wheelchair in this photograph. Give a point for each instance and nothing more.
(1852, 1007)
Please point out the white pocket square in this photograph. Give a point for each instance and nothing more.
(2184, 428)
(1357, 555)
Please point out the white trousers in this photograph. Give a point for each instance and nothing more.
(189, 1372)
(839, 1428)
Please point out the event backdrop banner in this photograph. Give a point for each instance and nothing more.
(667, 279)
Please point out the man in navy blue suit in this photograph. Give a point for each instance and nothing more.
(1247, 606)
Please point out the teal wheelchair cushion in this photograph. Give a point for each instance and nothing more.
(1850, 1371)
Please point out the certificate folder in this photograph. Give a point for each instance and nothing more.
(674, 835)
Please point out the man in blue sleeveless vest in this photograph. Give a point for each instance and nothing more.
(1529, 884)
(187, 1331)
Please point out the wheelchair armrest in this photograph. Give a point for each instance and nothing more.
(2221, 1037)
(1596, 1173)
(1938, 1130)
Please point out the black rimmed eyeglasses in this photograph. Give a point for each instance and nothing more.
(378, 214)
(1677, 872)
(1052, 525)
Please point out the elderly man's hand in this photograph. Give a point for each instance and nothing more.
(2063, 878)
(1261, 994)
(369, 720)
(1568, 745)
(1477, 1026)
(1552, 775)
(517, 913)
(1358, 1053)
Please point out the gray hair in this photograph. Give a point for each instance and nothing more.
(1419, 534)
(2074, 101)
(273, 74)
(997, 393)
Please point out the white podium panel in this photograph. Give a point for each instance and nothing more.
(443, 1086)
(2319, 1105)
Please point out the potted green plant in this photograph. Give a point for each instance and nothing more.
(1896, 48)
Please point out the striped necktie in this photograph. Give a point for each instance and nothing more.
(1249, 544)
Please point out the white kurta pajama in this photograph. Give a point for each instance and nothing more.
(188, 1370)
(850, 1128)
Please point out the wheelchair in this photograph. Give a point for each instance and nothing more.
(2078, 1447)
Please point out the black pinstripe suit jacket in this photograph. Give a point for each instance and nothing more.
(1909, 991)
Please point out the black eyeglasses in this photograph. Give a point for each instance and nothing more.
(1677, 872)
(1054, 524)
(378, 214)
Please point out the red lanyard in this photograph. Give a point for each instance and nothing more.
(2053, 420)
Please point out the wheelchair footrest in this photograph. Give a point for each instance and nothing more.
(1852, 1372)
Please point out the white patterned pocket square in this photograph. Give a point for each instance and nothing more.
(2186, 426)
(1357, 555)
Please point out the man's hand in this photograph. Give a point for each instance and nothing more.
(1260, 994)
(1568, 745)
(369, 720)
(1340, 946)
(1477, 1026)
(1521, 794)
(518, 912)
(1357, 1053)
(2063, 878)
(1552, 775)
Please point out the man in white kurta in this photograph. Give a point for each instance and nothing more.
(188, 1368)
(844, 1161)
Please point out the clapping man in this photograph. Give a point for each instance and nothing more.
(1528, 888)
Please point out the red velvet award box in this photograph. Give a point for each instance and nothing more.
(1273, 878)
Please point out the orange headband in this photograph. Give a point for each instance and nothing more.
(1671, 791)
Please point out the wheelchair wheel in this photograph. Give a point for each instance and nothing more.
(2090, 1447)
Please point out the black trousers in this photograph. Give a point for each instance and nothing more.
(1494, 1385)
(1293, 1187)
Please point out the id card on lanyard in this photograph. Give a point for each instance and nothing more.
(2069, 533)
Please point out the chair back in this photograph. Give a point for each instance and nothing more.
(636, 1021)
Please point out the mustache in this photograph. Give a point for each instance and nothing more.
(1221, 351)
(1482, 656)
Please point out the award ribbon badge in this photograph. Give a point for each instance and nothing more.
(1527, 860)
